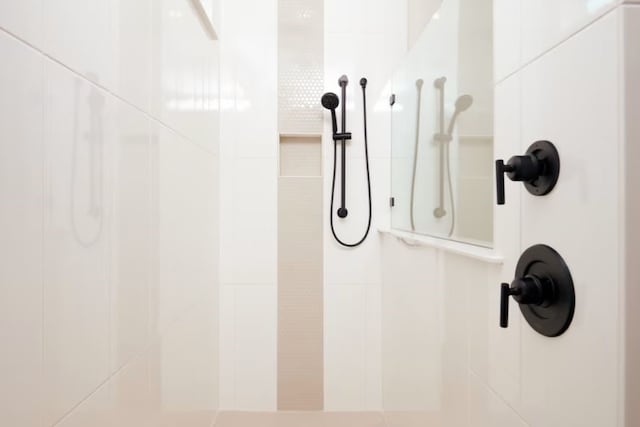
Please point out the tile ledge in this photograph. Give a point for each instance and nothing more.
(464, 249)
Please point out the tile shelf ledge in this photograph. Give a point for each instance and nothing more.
(479, 253)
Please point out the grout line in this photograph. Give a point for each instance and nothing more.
(58, 62)
(215, 418)
(496, 394)
(43, 212)
(564, 40)
(141, 353)
(520, 234)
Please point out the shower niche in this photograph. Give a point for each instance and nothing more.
(442, 127)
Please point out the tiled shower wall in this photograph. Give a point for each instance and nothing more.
(249, 205)
(108, 156)
(300, 206)
(444, 353)
(360, 39)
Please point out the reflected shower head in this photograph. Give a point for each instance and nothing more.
(439, 83)
(330, 101)
(463, 103)
(419, 83)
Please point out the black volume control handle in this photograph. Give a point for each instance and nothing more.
(538, 169)
(501, 169)
(504, 305)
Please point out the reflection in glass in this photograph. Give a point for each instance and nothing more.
(442, 132)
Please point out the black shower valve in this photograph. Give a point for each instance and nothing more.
(539, 169)
(543, 288)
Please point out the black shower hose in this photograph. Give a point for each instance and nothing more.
(333, 184)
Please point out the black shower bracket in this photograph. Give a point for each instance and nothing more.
(340, 136)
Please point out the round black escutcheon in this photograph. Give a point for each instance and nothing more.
(553, 316)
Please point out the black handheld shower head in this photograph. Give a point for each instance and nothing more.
(330, 101)
(343, 81)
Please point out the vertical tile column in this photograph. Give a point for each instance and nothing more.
(300, 206)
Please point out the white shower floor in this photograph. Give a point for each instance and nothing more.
(323, 419)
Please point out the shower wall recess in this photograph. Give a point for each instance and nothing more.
(300, 206)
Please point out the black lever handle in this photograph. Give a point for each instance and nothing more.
(526, 290)
(539, 169)
(504, 305)
(501, 169)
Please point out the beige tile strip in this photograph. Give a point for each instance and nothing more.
(300, 297)
(307, 419)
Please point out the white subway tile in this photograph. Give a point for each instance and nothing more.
(22, 19)
(80, 135)
(21, 276)
(579, 220)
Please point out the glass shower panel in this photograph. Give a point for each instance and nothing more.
(442, 127)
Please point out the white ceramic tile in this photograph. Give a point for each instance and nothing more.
(251, 51)
(182, 372)
(132, 236)
(250, 215)
(410, 332)
(184, 82)
(187, 226)
(632, 211)
(352, 228)
(255, 347)
(344, 347)
(360, 265)
(174, 268)
(486, 409)
(227, 310)
(411, 350)
(454, 403)
(248, 327)
(125, 400)
(407, 264)
(343, 17)
(96, 410)
(133, 50)
(80, 132)
(504, 344)
(23, 19)
(546, 23)
(373, 348)
(130, 394)
(80, 34)
(381, 193)
(506, 37)
(457, 278)
(480, 289)
(21, 184)
(584, 203)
